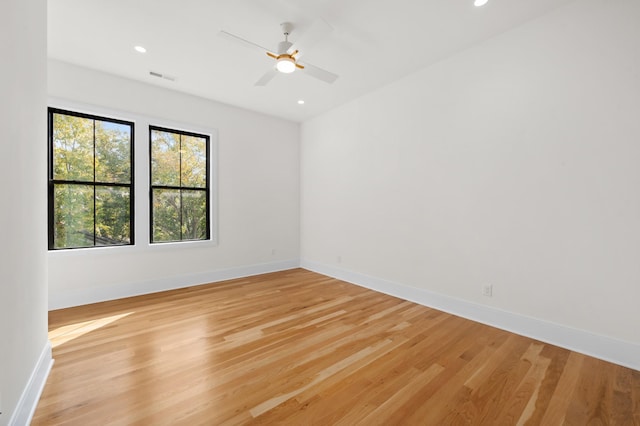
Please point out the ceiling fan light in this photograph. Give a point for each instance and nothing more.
(286, 65)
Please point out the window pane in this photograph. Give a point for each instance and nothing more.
(194, 162)
(166, 215)
(165, 158)
(113, 152)
(113, 221)
(72, 148)
(194, 215)
(179, 186)
(73, 216)
(90, 180)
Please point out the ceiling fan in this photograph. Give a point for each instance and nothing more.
(288, 54)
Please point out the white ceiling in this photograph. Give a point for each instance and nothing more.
(373, 43)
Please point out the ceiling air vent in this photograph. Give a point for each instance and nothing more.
(160, 75)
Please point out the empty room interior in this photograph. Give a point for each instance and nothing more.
(320, 212)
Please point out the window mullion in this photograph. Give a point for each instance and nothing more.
(180, 183)
(94, 184)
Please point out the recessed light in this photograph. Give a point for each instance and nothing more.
(140, 49)
(479, 3)
(300, 102)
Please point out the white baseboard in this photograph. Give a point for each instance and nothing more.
(59, 300)
(606, 348)
(28, 401)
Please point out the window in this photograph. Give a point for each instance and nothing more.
(179, 185)
(90, 181)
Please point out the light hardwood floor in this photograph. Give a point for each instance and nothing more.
(300, 348)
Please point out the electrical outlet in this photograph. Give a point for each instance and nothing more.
(339, 259)
(487, 290)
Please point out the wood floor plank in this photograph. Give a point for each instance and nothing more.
(635, 386)
(296, 347)
(621, 397)
(592, 395)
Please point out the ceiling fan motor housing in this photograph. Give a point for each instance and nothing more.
(283, 46)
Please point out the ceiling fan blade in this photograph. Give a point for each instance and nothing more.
(318, 30)
(267, 77)
(319, 73)
(241, 41)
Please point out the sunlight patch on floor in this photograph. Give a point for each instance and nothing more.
(69, 332)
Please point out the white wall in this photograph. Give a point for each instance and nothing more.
(257, 193)
(25, 354)
(514, 163)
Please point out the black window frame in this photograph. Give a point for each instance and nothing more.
(95, 184)
(207, 188)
